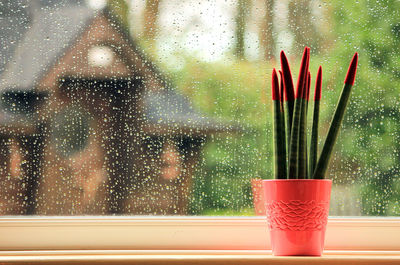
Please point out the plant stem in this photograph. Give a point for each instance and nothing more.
(289, 96)
(333, 132)
(295, 133)
(314, 132)
(306, 144)
(282, 120)
(279, 137)
(302, 159)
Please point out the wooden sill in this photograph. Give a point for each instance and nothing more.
(193, 257)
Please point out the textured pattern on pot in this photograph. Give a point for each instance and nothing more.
(296, 215)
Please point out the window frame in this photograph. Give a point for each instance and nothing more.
(183, 233)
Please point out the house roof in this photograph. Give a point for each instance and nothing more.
(14, 21)
(49, 35)
(166, 107)
(33, 47)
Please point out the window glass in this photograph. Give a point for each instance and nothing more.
(159, 107)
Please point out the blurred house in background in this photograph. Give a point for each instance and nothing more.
(88, 125)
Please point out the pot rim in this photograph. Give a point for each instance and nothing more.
(297, 180)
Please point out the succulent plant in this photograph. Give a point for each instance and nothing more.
(290, 110)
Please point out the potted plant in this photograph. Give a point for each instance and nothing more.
(297, 200)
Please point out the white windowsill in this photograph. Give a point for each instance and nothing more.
(182, 233)
(194, 257)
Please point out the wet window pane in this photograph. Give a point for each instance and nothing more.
(159, 107)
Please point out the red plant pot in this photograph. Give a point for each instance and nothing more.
(297, 213)
(258, 197)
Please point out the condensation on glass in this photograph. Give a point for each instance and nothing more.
(159, 107)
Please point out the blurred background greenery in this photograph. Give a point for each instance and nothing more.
(224, 65)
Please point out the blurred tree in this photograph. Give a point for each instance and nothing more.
(150, 18)
(242, 11)
(231, 160)
(121, 10)
(372, 134)
(267, 40)
(302, 26)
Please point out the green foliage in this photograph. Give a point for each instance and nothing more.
(234, 93)
(368, 149)
(121, 10)
(372, 141)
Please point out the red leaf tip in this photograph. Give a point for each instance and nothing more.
(275, 85)
(287, 78)
(351, 73)
(302, 79)
(318, 85)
